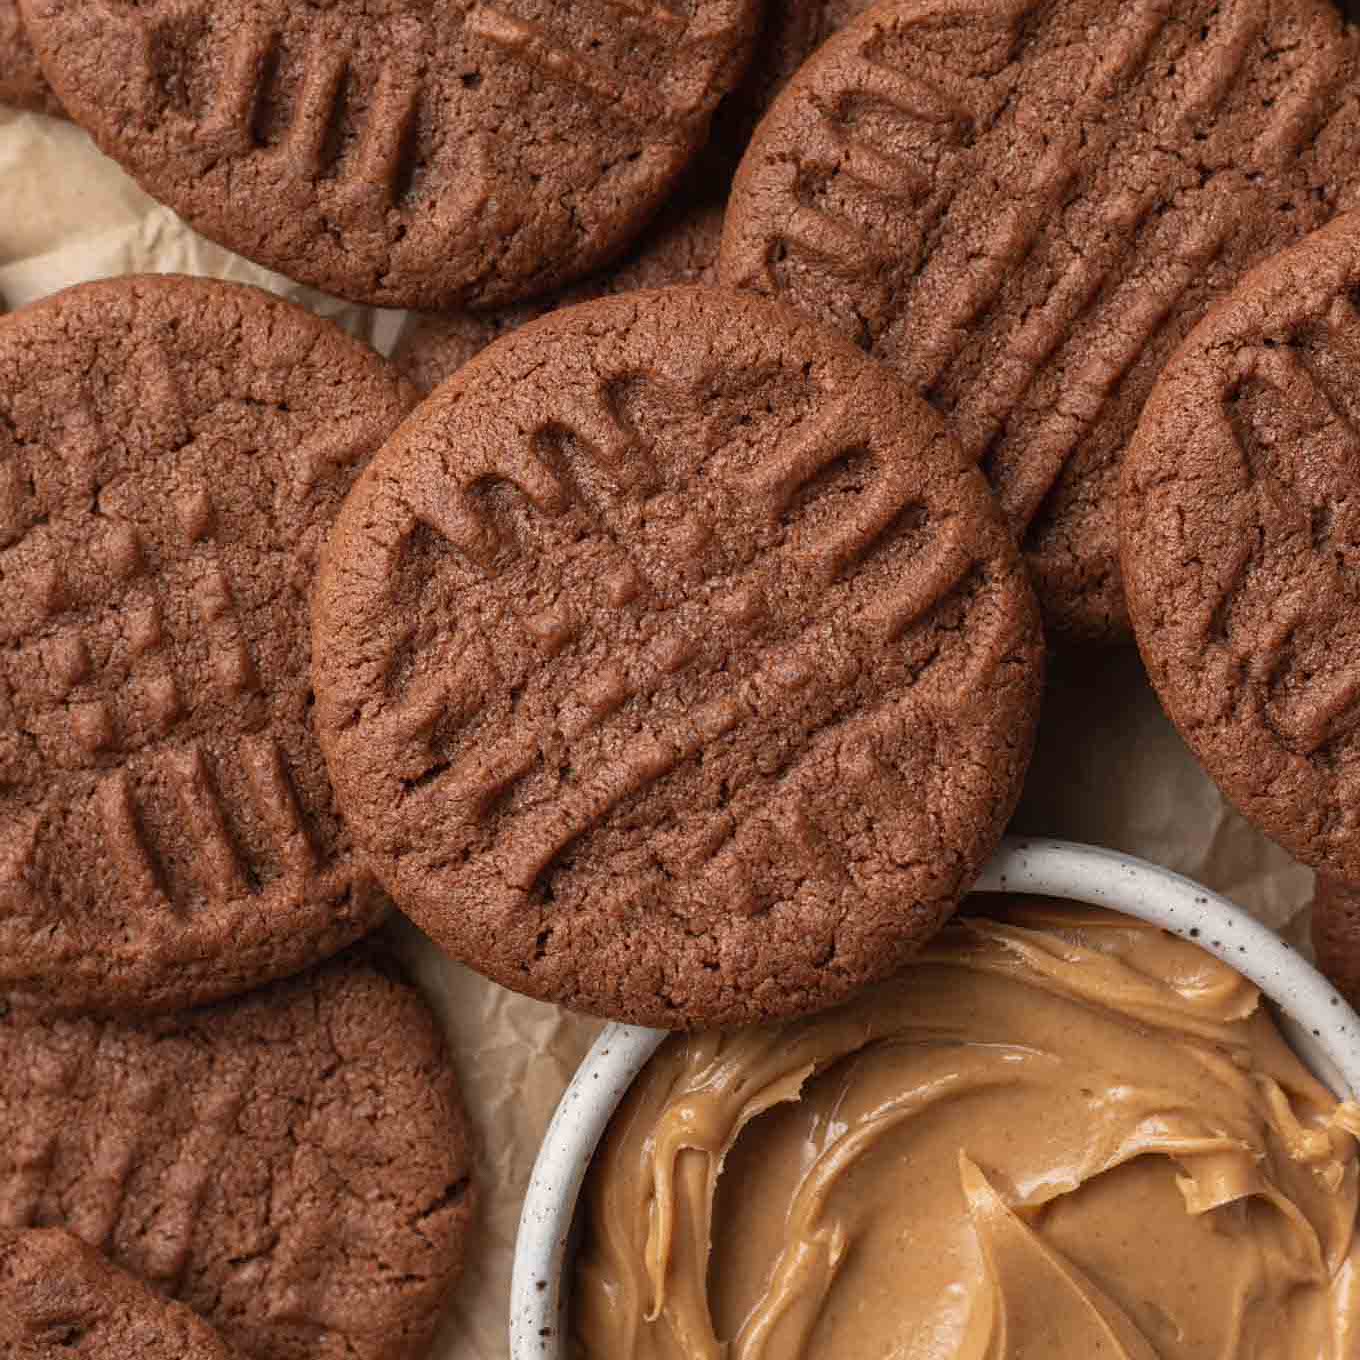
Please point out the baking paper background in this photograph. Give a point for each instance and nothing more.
(1110, 768)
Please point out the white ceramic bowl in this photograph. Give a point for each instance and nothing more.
(1325, 1032)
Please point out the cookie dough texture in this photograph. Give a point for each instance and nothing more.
(1025, 205)
(402, 153)
(172, 454)
(673, 662)
(292, 1166)
(22, 83)
(681, 247)
(61, 1300)
(1241, 543)
(1336, 935)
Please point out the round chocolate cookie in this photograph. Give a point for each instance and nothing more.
(1241, 543)
(674, 663)
(402, 154)
(682, 247)
(61, 1300)
(1336, 935)
(293, 1166)
(1025, 205)
(172, 454)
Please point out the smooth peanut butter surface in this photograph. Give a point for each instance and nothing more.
(1060, 1135)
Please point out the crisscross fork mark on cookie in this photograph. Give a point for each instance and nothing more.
(476, 784)
(369, 140)
(120, 562)
(154, 691)
(533, 44)
(1327, 707)
(232, 1159)
(1088, 260)
(117, 1155)
(171, 455)
(439, 156)
(835, 239)
(1108, 279)
(929, 344)
(169, 1243)
(368, 158)
(51, 1084)
(120, 587)
(629, 645)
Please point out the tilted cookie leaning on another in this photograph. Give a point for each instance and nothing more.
(1241, 544)
(1024, 205)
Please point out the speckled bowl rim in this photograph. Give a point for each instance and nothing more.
(1323, 1028)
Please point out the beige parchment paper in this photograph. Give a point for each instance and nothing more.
(1110, 769)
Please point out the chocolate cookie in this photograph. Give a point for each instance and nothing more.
(406, 154)
(1241, 545)
(1025, 205)
(681, 248)
(60, 1300)
(673, 662)
(293, 1166)
(1336, 935)
(22, 83)
(172, 454)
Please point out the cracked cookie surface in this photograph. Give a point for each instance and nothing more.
(673, 662)
(1240, 523)
(1025, 205)
(172, 454)
(292, 1166)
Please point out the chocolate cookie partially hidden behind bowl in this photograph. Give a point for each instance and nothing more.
(1336, 935)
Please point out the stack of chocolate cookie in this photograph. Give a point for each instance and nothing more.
(678, 659)
(290, 1164)
(672, 662)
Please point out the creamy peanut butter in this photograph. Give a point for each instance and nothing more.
(1061, 1135)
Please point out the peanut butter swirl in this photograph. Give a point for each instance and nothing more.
(1061, 1133)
